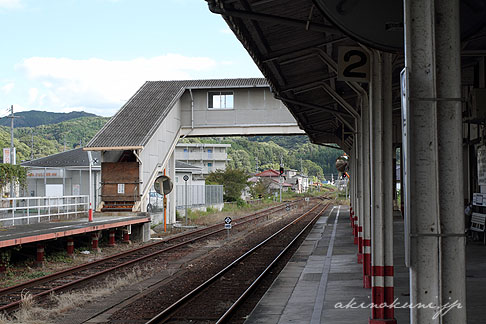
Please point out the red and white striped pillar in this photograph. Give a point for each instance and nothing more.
(367, 191)
(39, 261)
(382, 291)
(126, 236)
(94, 241)
(351, 223)
(70, 246)
(382, 296)
(111, 241)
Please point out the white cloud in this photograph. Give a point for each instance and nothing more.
(10, 4)
(8, 87)
(33, 93)
(98, 84)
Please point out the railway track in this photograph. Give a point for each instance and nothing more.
(216, 299)
(11, 297)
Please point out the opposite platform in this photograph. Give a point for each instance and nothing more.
(22, 234)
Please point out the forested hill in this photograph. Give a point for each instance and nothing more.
(252, 154)
(50, 139)
(35, 118)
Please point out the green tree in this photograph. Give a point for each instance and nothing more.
(262, 187)
(233, 181)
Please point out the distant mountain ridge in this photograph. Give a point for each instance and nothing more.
(33, 118)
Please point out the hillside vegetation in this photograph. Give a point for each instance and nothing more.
(250, 154)
(49, 139)
(34, 118)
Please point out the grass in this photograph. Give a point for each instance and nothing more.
(32, 313)
(213, 216)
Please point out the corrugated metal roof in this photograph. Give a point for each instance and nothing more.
(76, 157)
(183, 165)
(136, 122)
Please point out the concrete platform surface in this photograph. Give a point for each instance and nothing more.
(323, 277)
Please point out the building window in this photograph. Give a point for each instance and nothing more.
(186, 153)
(210, 167)
(210, 154)
(220, 100)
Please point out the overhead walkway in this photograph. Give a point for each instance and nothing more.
(137, 144)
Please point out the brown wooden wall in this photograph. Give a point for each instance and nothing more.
(114, 173)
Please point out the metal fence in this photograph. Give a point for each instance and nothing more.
(198, 195)
(32, 210)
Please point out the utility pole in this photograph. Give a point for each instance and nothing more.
(12, 148)
(32, 146)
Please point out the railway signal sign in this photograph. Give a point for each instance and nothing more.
(227, 223)
(186, 177)
(287, 208)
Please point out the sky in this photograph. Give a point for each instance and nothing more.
(92, 55)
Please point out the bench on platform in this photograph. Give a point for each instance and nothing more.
(478, 224)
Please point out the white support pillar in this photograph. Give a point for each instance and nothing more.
(382, 215)
(437, 241)
(360, 210)
(352, 183)
(366, 215)
(376, 158)
(352, 213)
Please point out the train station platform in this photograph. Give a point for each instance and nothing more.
(22, 234)
(323, 283)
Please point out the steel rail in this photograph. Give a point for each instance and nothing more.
(57, 275)
(242, 297)
(165, 315)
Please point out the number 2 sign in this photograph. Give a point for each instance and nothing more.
(353, 64)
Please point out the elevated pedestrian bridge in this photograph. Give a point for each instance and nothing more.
(138, 143)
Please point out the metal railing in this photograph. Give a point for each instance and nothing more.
(33, 210)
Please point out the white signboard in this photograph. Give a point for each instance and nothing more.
(48, 173)
(76, 189)
(121, 188)
(353, 64)
(6, 155)
(479, 199)
(482, 165)
(405, 151)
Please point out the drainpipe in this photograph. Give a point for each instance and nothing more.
(192, 109)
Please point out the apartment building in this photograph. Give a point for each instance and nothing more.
(208, 157)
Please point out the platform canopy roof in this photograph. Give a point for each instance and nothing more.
(295, 46)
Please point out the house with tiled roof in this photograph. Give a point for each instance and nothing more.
(137, 144)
